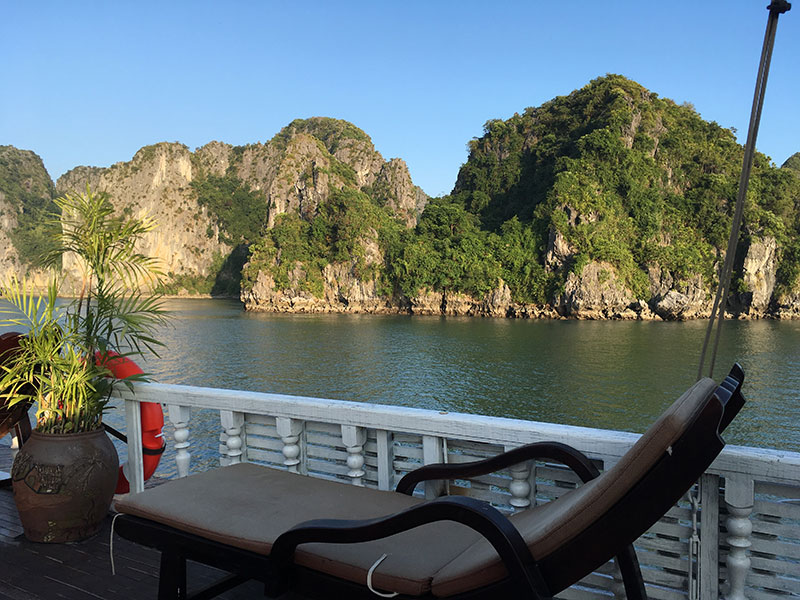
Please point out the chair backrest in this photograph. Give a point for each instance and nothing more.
(627, 499)
(575, 534)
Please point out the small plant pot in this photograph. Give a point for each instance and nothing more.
(64, 484)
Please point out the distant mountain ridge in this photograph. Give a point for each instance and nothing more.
(616, 184)
(214, 202)
(607, 203)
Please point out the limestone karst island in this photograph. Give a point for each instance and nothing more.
(608, 203)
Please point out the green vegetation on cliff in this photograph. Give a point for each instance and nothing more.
(625, 177)
(609, 173)
(239, 211)
(788, 274)
(28, 192)
(793, 162)
(331, 132)
(240, 214)
(295, 251)
(448, 251)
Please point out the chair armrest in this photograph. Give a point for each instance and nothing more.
(567, 455)
(730, 396)
(476, 514)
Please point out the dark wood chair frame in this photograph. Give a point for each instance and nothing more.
(14, 419)
(612, 533)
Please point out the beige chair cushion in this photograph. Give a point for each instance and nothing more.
(249, 506)
(548, 526)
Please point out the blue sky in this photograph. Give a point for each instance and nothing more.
(89, 83)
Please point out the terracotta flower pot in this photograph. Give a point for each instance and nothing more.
(63, 484)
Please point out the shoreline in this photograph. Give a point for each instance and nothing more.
(513, 312)
(481, 310)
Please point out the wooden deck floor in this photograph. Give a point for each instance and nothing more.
(82, 571)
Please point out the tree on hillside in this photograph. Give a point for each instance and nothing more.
(793, 162)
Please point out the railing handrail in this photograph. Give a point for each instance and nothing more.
(763, 464)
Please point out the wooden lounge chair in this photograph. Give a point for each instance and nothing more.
(252, 521)
(13, 419)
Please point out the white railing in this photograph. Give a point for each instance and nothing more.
(737, 532)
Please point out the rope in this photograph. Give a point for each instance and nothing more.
(111, 543)
(369, 580)
(777, 8)
(694, 548)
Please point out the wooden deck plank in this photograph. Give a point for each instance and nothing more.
(82, 571)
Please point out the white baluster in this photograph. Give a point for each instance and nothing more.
(290, 431)
(232, 423)
(520, 487)
(179, 416)
(354, 439)
(708, 572)
(385, 446)
(134, 469)
(618, 587)
(739, 498)
(433, 453)
(224, 461)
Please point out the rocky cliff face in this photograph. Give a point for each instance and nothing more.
(304, 175)
(295, 172)
(759, 275)
(156, 183)
(344, 292)
(675, 299)
(26, 193)
(579, 227)
(594, 294)
(298, 168)
(583, 216)
(393, 187)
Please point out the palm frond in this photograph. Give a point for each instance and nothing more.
(55, 364)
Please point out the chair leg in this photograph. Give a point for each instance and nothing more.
(631, 574)
(22, 430)
(19, 435)
(172, 577)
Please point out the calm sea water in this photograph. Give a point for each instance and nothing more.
(614, 375)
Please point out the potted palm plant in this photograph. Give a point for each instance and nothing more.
(64, 476)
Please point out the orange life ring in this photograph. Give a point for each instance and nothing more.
(153, 444)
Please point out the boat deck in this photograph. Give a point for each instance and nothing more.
(82, 570)
(746, 511)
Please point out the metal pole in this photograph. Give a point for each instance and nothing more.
(777, 8)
